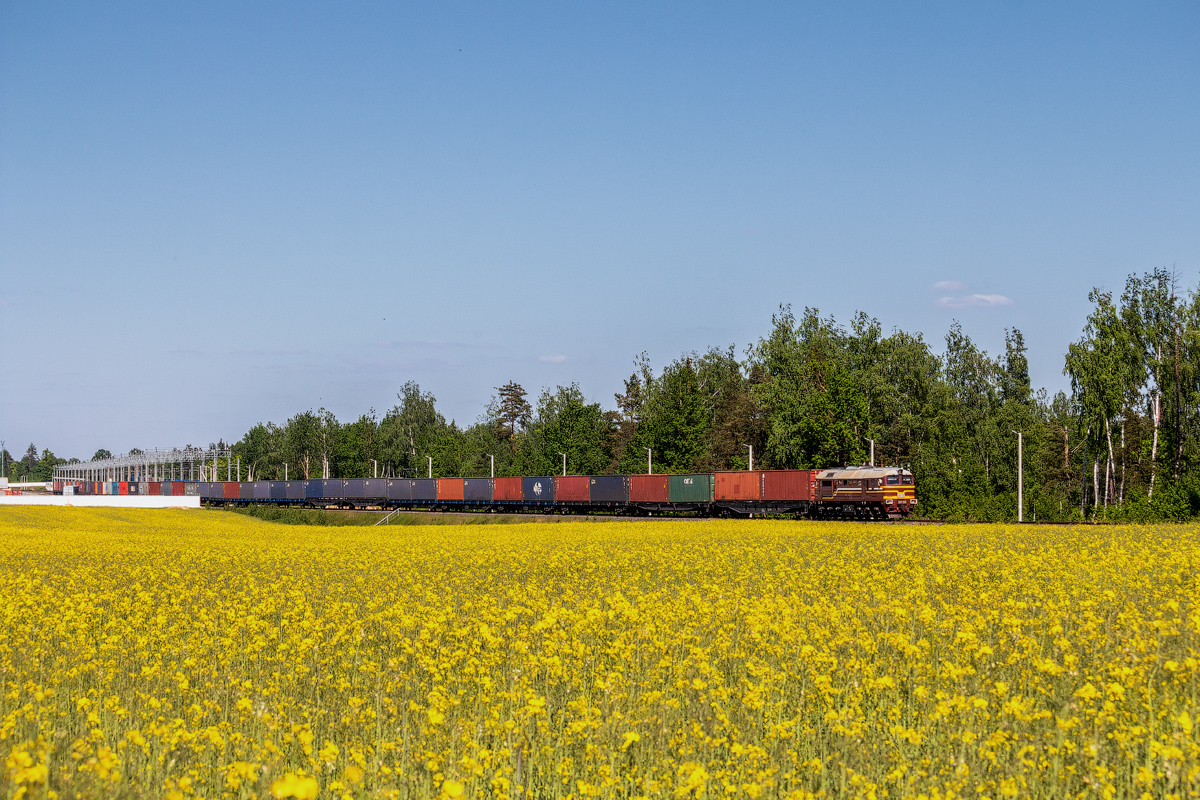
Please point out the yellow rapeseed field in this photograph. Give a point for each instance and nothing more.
(174, 654)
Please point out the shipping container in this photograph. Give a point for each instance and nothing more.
(191, 489)
(537, 489)
(690, 488)
(246, 490)
(423, 489)
(572, 489)
(399, 490)
(293, 490)
(262, 490)
(230, 490)
(314, 489)
(114, 487)
(449, 489)
(477, 490)
(789, 484)
(166, 490)
(742, 485)
(177, 488)
(506, 490)
(333, 489)
(609, 489)
(277, 490)
(355, 489)
(375, 488)
(133, 487)
(648, 489)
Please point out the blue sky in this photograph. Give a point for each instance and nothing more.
(213, 215)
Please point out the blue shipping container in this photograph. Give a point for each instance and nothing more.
(537, 490)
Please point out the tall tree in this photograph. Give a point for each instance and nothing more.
(513, 410)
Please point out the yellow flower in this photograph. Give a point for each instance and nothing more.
(302, 787)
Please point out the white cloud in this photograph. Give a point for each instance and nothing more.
(552, 359)
(974, 301)
(950, 286)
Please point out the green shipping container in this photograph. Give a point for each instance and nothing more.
(690, 489)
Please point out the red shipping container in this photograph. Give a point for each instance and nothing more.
(647, 488)
(177, 489)
(740, 485)
(450, 489)
(506, 489)
(232, 490)
(156, 488)
(788, 484)
(573, 489)
(122, 487)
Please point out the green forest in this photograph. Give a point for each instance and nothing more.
(1122, 445)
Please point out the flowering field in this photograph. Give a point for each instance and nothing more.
(177, 654)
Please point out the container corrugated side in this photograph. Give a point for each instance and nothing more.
(450, 489)
(690, 488)
(374, 488)
(609, 489)
(230, 491)
(539, 489)
(165, 488)
(293, 490)
(399, 489)
(278, 490)
(424, 489)
(245, 490)
(742, 485)
(572, 489)
(262, 490)
(356, 489)
(648, 489)
(788, 484)
(506, 490)
(477, 490)
(178, 488)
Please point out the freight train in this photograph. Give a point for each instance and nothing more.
(866, 492)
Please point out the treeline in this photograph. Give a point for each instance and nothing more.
(815, 393)
(33, 466)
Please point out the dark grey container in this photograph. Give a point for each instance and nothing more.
(245, 490)
(277, 490)
(610, 489)
(477, 490)
(191, 489)
(294, 490)
(375, 488)
(262, 490)
(537, 490)
(164, 488)
(424, 489)
(354, 489)
(399, 489)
